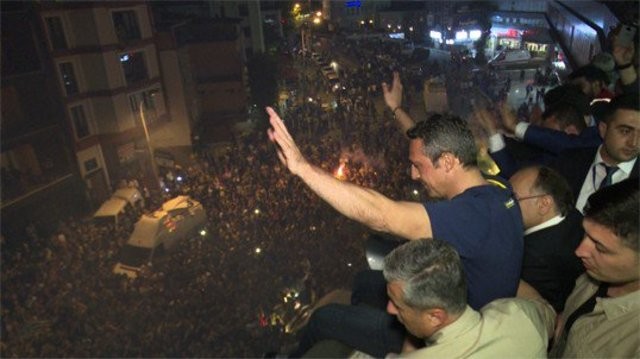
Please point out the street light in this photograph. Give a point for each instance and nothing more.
(146, 135)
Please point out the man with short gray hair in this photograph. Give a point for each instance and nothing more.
(427, 291)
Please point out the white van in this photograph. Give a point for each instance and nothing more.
(115, 206)
(511, 57)
(179, 218)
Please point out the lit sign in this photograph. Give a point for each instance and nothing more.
(461, 35)
(397, 35)
(475, 34)
(435, 34)
(124, 58)
(356, 3)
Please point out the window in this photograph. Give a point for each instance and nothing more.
(56, 33)
(90, 165)
(68, 78)
(243, 9)
(247, 31)
(126, 25)
(134, 67)
(80, 123)
(147, 98)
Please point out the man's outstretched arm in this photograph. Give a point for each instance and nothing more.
(404, 219)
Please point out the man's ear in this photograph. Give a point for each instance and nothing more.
(602, 128)
(448, 161)
(545, 204)
(435, 316)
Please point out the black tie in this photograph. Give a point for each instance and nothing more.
(607, 179)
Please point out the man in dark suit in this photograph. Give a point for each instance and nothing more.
(616, 159)
(553, 231)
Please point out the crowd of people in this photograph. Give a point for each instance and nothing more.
(60, 297)
(265, 230)
(584, 148)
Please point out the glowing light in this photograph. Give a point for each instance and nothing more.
(435, 35)
(348, 264)
(203, 232)
(316, 20)
(415, 192)
(124, 58)
(256, 211)
(410, 28)
(166, 189)
(361, 22)
(461, 35)
(370, 21)
(310, 99)
(388, 26)
(339, 173)
(319, 13)
(179, 178)
(399, 27)
(258, 250)
(475, 34)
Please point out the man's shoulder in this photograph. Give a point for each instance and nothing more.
(509, 306)
(511, 313)
(475, 200)
(578, 153)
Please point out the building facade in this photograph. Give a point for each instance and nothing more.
(108, 73)
(40, 182)
(204, 69)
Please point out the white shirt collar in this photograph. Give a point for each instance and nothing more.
(625, 167)
(548, 223)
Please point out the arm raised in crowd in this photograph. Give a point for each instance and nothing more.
(405, 219)
(393, 99)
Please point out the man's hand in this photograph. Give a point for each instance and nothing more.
(509, 120)
(288, 152)
(393, 94)
(486, 120)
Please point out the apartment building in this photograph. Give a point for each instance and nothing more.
(40, 182)
(107, 70)
(204, 71)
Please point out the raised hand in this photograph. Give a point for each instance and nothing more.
(486, 120)
(393, 94)
(287, 149)
(509, 120)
